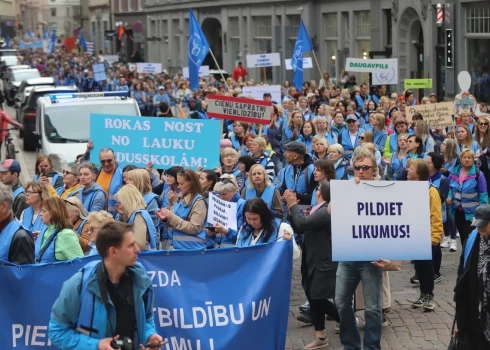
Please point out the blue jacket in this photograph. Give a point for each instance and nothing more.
(380, 140)
(152, 206)
(49, 254)
(470, 194)
(80, 304)
(6, 237)
(442, 186)
(116, 184)
(267, 195)
(93, 198)
(27, 216)
(245, 238)
(308, 142)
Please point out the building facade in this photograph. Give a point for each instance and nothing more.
(131, 15)
(338, 29)
(7, 17)
(64, 16)
(100, 19)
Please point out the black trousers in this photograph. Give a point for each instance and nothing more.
(319, 308)
(463, 225)
(437, 258)
(425, 271)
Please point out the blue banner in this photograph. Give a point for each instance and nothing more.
(303, 44)
(166, 142)
(219, 299)
(32, 45)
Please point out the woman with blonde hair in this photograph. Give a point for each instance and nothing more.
(421, 129)
(449, 150)
(140, 178)
(58, 241)
(320, 148)
(229, 160)
(368, 137)
(259, 185)
(482, 133)
(131, 207)
(36, 194)
(379, 132)
(78, 217)
(465, 140)
(95, 221)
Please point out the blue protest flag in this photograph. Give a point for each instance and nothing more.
(198, 49)
(303, 44)
(52, 42)
(199, 302)
(83, 43)
(29, 34)
(7, 41)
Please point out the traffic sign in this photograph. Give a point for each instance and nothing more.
(418, 83)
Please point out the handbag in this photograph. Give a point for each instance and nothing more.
(396, 265)
(457, 342)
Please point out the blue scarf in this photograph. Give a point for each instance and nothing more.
(435, 177)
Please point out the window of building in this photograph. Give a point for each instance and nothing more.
(330, 20)
(263, 26)
(67, 12)
(478, 53)
(233, 28)
(186, 27)
(153, 28)
(129, 6)
(363, 24)
(140, 5)
(119, 6)
(477, 18)
(293, 23)
(177, 49)
(53, 12)
(164, 27)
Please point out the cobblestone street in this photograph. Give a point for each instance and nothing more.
(408, 328)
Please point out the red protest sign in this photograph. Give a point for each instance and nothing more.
(241, 109)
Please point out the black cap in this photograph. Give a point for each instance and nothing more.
(482, 216)
(295, 146)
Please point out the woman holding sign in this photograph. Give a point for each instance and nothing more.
(318, 271)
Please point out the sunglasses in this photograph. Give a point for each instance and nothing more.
(108, 161)
(483, 124)
(362, 138)
(350, 121)
(225, 180)
(362, 167)
(65, 172)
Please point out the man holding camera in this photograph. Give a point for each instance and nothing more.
(108, 304)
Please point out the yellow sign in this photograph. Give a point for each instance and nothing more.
(418, 83)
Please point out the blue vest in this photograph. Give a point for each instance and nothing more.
(235, 143)
(470, 242)
(182, 240)
(397, 166)
(80, 227)
(339, 172)
(49, 255)
(378, 137)
(27, 221)
(87, 203)
(245, 238)
(267, 196)
(347, 145)
(61, 190)
(437, 185)
(6, 238)
(150, 227)
(116, 184)
(300, 185)
(18, 191)
(93, 320)
(466, 194)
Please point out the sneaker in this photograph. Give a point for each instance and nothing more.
(414, 279)
(337, 327)
(437, 278)
(457, 235)
(317, 344)
(445, 242)
(420, 301)
(385, 319)
(304, 307)
(454, 246)
(429, 304)
(304, 317)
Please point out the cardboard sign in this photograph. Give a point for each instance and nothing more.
(222, 212)
(203, 72)
(384, 71)
(241, 109)
(263, 60)
(437, 115)
(417, 83)
(152, 68)
(371, 221)
(307, 63)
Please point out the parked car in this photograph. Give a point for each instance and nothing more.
(13, 81)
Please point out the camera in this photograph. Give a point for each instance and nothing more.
(123, 344)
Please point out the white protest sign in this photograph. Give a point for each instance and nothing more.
(109, 58)
(263, 60)
(99, 72)
(385, 70)
(152, 68)
(307, 63)
(222, 212)
(371, 220)
(257, 92)
(203, 72)
(242, 109)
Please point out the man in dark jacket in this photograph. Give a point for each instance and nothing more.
(16, 244)
(472, 292)
(9, 175)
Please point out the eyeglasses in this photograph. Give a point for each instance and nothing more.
(33, 192)
(410, 141)
(65, 172)
(362, 167)
(108, 161)
(350, 121)
(362, 138)
(225, 180)
(92, 229)
(483, 124)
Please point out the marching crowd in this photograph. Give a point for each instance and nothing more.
(279, 177)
